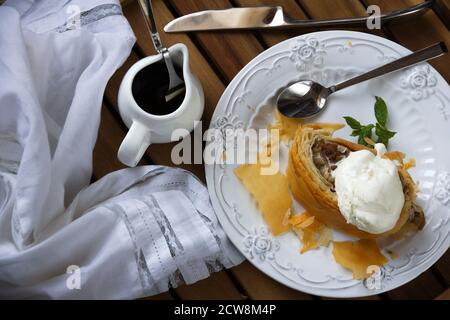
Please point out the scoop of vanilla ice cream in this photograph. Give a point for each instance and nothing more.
(369, 191)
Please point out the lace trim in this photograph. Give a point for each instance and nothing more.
(95, 14)
(175, 246)
(213, 263)
(183, 186)
(205, 219)
(146, 279)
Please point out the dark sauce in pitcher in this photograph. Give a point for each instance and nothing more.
(150, 86)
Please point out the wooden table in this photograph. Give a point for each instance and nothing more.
(216, 57)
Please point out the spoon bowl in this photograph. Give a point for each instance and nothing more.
(303, 99)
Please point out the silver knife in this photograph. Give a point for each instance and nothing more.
(272, 17)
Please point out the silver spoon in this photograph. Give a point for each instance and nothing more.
(307, 98)
(176, 84)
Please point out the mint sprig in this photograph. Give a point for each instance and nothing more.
(383, 134)
(381, 111)
(366, 131)
(353, 123)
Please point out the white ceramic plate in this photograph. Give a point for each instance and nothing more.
(419, 104)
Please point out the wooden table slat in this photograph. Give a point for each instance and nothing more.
(445, 295)
(442, 9)
(217, 287)
(260, 286)
(425, 286)
(443, 267)
(327, 9)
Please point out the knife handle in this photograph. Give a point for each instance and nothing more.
(384, 17)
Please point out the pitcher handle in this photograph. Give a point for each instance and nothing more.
(134, 145)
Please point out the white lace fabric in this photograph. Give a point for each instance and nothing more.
(133, 233)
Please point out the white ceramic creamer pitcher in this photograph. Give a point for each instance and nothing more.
(146, 128)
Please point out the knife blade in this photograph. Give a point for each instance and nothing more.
(234, 18)
(272, 17)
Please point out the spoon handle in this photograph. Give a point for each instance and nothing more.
(419, 56)
(147, 11)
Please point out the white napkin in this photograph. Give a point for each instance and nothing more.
(133, 233)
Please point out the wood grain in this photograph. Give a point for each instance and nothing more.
(443, 267)
(423, 287)
(260, 286)
(444, 296)
(442, 9)
(216, 287)
(326, 9)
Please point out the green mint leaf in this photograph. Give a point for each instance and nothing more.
(383, 132)
(366, 131)
(353, 123)
(381, 111)
(384, 135)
